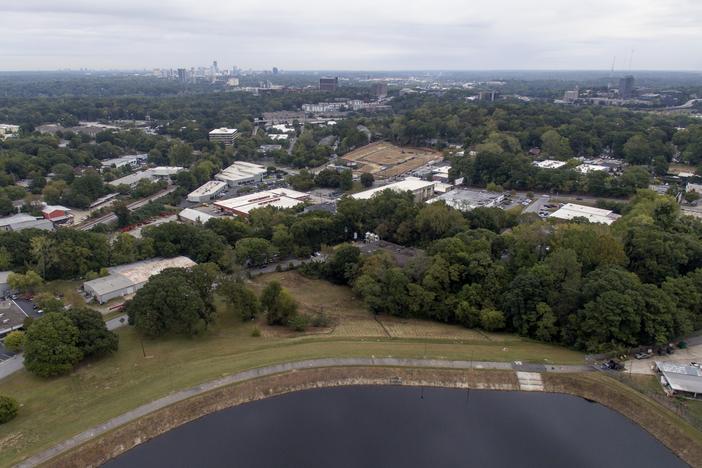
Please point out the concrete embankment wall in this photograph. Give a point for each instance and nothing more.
(111, 444)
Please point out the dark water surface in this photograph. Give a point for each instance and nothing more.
(396, 427)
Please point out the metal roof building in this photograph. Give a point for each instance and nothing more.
(278, 198)
(242, 172)
(594, 215)
(127, 279)
(421, 189)
(207, 191)
(680, 378)
(467, 200)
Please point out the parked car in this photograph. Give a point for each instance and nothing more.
(642, 355)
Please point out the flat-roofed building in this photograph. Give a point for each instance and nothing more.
(421, 189)
(224, 135)
(8, 130)
(12, 317)
(194, 216)
(549, 164)
(680, 379)
(586, 168)
(467, 200)
(571, 211)
(132, 160)
(241, 173)
(155, 173)
(278, 198)
(207, 191)
(328, 84)
(22, 221)
(127, 279)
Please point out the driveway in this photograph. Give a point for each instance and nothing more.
(682, 356)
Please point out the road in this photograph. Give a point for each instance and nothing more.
(111, 217)
(176, 397)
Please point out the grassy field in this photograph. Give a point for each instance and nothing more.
(53, 410)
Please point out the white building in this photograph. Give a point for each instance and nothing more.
(224, 135)
(190, 215)
(594, 215)
(690, 187)
(241, 173)
(7, 130)
(680, 379)
(421, 189)
(549, 164)
(155, 173)
(585, 168)
(207, 191)
(278, 198)
(127, 279)
(278, 136)
(467, 200)
(132, 160)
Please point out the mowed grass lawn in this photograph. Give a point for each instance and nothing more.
(55, 409)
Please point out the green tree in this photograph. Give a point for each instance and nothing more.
(94, 339)
(254, 251)
(8, 409)
(51, 346)
(278, 305)
(240, 300)
(367, 179)
(492, 320)
(24, 283)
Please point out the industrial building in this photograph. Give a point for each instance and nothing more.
(467, 200)
(193, 216)
(421, 189)
(207, 191)
(132, 160)
(278, 198)
(22, 221)
(127, 279)
(4, 283)
(224, 135)
(680, 379)
(594, 215)
(12, 317)
(549, 164)
(57, 214)
(241, 173)
(155, 173)
(7, 130)
(586, 168)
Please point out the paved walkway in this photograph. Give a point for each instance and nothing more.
(271, 370)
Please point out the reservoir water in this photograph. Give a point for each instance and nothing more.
(409, 427)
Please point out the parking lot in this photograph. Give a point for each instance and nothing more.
(693, 353)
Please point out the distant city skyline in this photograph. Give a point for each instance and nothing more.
(360, 35)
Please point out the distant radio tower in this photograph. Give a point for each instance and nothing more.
(611, 73)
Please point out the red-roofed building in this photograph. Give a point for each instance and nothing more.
(57, 214)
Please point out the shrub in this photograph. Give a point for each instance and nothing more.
(256, 332)
(299, 322)
(320, 320)
(8, 409)
(14, 341)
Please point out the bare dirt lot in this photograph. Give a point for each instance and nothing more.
(384, 160)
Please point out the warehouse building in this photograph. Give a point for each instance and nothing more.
(680, 379)
(571, 211)
(127, 279)
(278, 198)
(22, 221)
(155, 173)
(549, 164)
(132, 160)
(193, 216)
(467, 200)
(242, 173)
(207, 192)
(421, 189)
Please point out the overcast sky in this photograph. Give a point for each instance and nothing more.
(351, 34)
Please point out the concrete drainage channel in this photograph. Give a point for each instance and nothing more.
(530, 381)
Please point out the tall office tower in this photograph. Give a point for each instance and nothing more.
(182, 75)
(328, 84)
(215, 69)
(380, 90)
(626, 87)
(275, 70)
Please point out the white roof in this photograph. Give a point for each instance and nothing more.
(279, 198)
(223, 131)
(681, 377)
(278, 136)
(594, 215)
(134, 274)
(693, 188)
(241, 170)
(195, 216)
(160, 171)
(585, 168)
(409, 184)
(549, 164)
(208, 188)
(52, 208)
(18, 218)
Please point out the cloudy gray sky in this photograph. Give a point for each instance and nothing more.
(351, 34)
